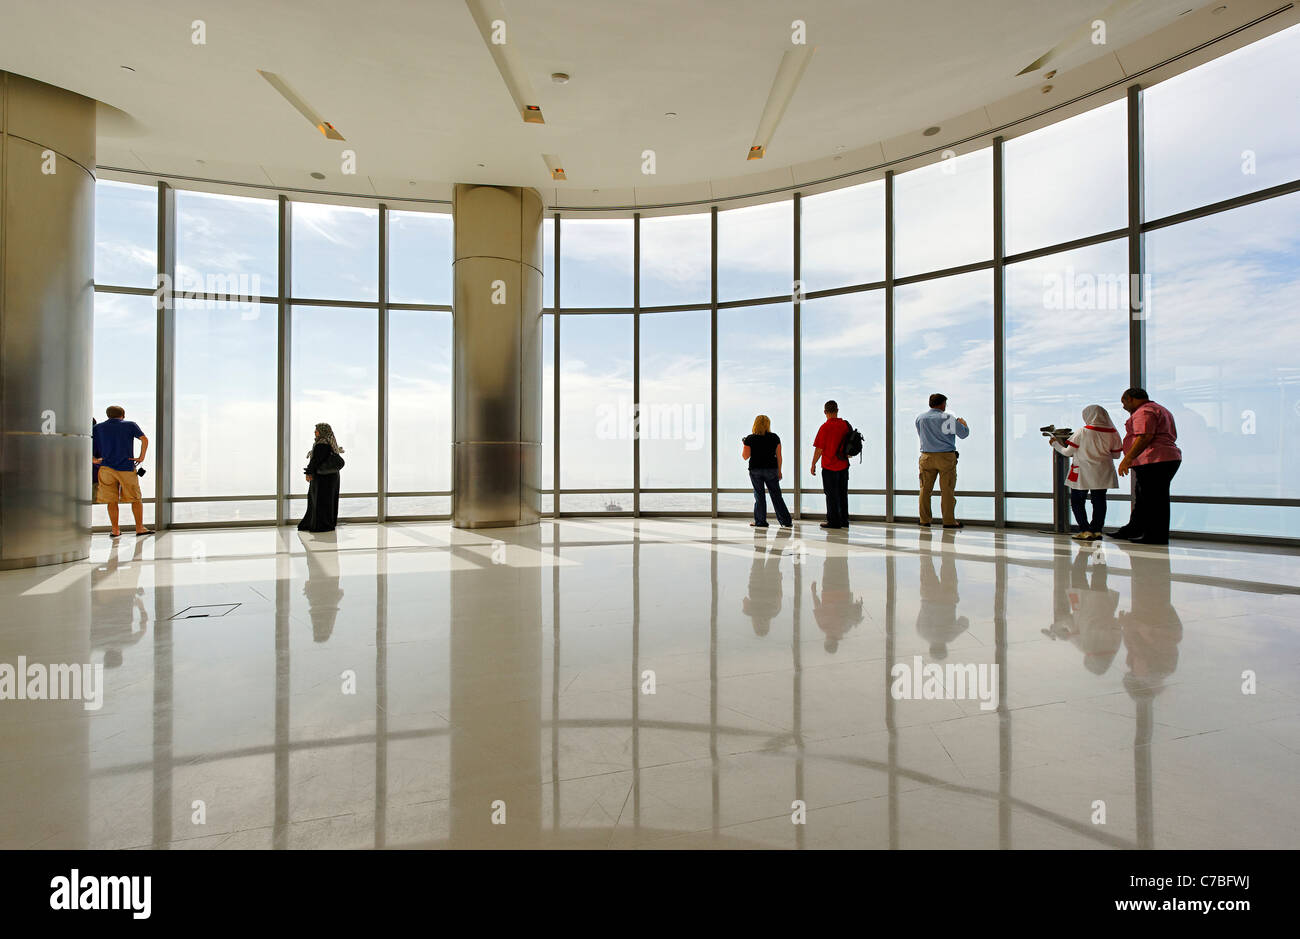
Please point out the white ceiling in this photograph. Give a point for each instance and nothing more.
(411, 86)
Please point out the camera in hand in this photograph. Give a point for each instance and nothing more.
(1056, 433)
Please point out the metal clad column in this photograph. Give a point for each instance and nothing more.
(47, 269)
(498, 365)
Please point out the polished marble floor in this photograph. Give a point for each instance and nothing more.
(674, 683)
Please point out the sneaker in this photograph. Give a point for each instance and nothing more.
(1082, 536)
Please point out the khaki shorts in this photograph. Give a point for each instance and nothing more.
(118, 486)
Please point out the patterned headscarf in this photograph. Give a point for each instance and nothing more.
(326, 436)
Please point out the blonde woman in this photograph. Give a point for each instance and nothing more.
(763, 450)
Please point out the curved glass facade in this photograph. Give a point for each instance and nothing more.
(1023, 279)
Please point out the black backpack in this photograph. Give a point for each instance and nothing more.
(851, 444)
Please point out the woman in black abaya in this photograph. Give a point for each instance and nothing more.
(322, 471)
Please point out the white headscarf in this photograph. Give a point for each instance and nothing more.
(1094, 415)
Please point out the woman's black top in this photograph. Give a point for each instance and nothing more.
(762, 450)
(319, 453)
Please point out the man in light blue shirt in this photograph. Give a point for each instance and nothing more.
(939, 432)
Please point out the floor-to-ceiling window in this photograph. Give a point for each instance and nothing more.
(670, 324)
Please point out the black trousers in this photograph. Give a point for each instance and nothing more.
(835, 483)
(1078, 503)
(1150, 517)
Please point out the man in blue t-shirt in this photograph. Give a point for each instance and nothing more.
(114, 444)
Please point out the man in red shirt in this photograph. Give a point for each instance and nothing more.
(1151, 451)
(835, 469)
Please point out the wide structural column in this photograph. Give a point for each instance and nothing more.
(498, 364)
(47, 269)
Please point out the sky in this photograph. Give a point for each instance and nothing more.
(1223, 337)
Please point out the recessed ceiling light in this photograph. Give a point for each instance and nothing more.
(840, 148)
(1217, 10)
(317, 175)
(1185, 12)
(127, 68)
(1050, 75)
(560, 78)
(670, 114)
(837, 158)
(204, 162)
(1046, 88)
(411, 183)
(929, 131)
(481, 165)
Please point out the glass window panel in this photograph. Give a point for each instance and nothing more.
(335, 252)
(588, 503)
(944, 214)
(843, 347)
(943, 333)
(676, 451)
(419, 257)
(676, 501)
(1223, 348)
(419, 401)
(842, 237)
(124, 367)
(756, 252)
(675, 263)
(596, 262)
(548, 401)
(225, 399)
(227, 244)
(755, 376)
(1067, 180)
(1265, 521)
(548, 261)
(1067, 347)
(596, 403)
(1224, 128)
(419, 505)
(214, 513)
(126, 234)
(335, 380)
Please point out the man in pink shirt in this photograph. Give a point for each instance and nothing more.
(1151, 452)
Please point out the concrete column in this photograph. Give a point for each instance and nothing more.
(47, 268)
(498, 364)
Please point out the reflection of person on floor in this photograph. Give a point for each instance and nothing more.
(1091, 624)
(937, 620)
(322, 590)
(836, 609)
(1152, 628)
(115, 598)
(763, 603)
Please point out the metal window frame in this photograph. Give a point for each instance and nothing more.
(1134, 234)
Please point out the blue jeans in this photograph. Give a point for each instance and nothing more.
(772, 479)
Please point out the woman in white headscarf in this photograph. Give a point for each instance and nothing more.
(1093, 450)
(324, 461)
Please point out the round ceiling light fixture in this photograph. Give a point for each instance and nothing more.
(1046, 88)
(670, 114)
(930, 131)
(317, 175)
(1050, 75)
(481, 165)
(127, 68)
(1217, 10)
(560, 78)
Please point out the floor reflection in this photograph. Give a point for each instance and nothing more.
(624, 683)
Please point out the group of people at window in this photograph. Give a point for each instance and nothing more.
(1148, 450)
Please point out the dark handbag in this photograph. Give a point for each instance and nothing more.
(331, 464)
